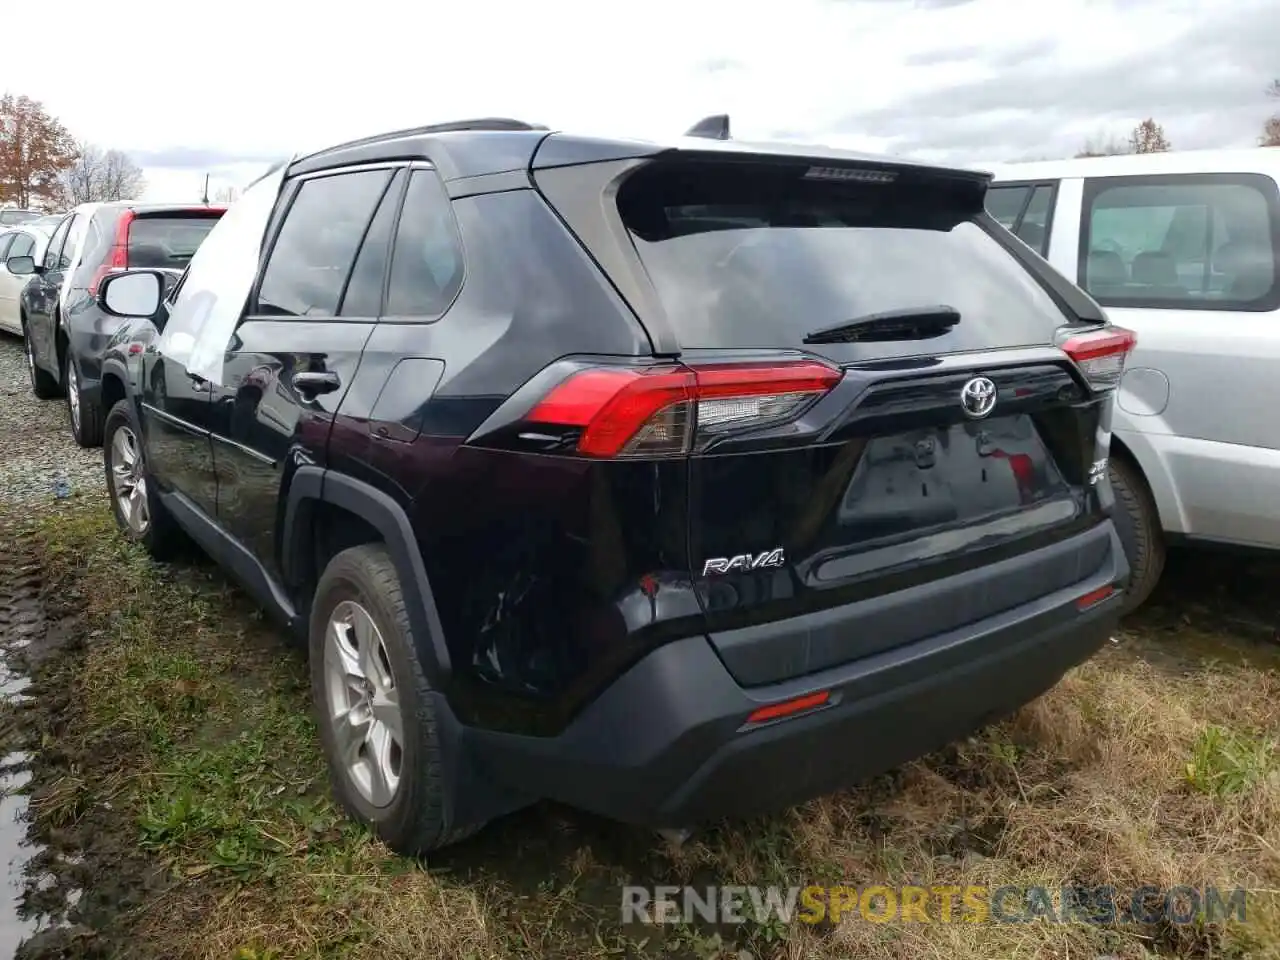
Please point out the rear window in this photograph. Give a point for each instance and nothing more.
(18, 216)
(167, 241)
(756, 255)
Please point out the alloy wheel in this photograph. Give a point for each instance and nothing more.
(362, 704)
(73, 396)
(129, 481)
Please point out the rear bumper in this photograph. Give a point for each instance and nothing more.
(665, 745)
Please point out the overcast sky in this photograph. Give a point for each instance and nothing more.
(969, 81)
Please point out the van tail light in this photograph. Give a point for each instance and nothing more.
(1101, 354)
(118, 257)
(668, 410)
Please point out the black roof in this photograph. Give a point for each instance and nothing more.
(471, 148)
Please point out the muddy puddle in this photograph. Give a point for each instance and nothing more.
(15, 851)
(23, 628)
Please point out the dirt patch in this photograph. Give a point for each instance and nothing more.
(183, 809)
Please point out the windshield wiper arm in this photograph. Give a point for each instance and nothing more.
(912, 323)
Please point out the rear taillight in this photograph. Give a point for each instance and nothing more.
(1101, 354)
(118, 257)
(669, 409)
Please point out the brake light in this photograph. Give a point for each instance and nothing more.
(1101, 354)
(664, 410)
(118, 257)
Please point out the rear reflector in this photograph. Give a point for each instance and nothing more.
(662, 410)
(789, 708)
(1101, 354)
(1094, 597)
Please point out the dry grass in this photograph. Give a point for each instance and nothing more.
(1152, 764)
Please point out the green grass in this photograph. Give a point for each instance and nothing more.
(186, 713)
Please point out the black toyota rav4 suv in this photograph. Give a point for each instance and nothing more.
(667, 480)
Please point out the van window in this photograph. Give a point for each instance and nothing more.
(1005, 203)
(1025, 209)
(1193, 242)
(1033, 228)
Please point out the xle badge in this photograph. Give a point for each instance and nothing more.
(743, 562)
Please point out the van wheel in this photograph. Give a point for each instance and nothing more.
(373, 704)
(1138, 525)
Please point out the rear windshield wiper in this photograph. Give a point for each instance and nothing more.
(913, 323)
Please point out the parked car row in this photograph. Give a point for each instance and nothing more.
(50, 280)
(1183, 248)
(645, 477)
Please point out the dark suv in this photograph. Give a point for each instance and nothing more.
(668, 480)
(64, 330)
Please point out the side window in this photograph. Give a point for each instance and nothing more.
(54, 250)
(24, 245)
(1006, 203)
(1033, 227)
(426, 265)
(1190, 242)
(95, 248)
(79, 223)
(5, 244)
(314, 250)
(363, 296)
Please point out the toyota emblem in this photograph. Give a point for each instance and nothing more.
(978, 397)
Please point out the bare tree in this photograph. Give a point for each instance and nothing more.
(1271, 129)
(98, 175)
(1148, 137)
(1104, 145)
(226, 195)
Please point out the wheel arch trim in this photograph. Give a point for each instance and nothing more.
(313, 484)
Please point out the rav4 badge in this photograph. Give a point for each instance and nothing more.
(743, 562)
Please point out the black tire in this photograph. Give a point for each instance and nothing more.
(87, 430)
(413, 822)
(1138, 525)
(43, 384)
(162, 536)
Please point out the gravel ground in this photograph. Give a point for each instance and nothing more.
(35, 439)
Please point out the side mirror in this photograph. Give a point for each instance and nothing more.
(133, 294)
(21, 266)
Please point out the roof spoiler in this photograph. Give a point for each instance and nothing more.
(711, 128)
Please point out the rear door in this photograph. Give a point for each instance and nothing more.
(829, 472)
(289, 361)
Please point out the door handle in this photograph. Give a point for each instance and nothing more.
(311, 383)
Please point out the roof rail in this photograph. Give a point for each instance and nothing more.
(482, 123)
(715, 127)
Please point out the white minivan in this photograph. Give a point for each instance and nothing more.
(1183, 249)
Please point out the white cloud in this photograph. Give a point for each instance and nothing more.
(271, 78)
